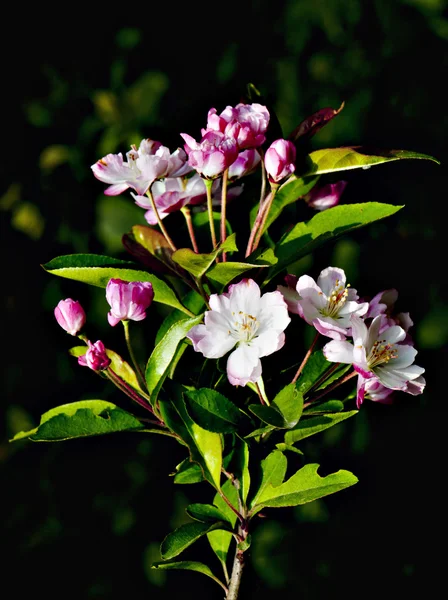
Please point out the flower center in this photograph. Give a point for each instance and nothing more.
(245, 326)
(336, 300)
(381, 353)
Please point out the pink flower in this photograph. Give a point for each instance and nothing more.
(70, 315)
(328, 304)
(280, 160)
(325, 196)
(128, 300)
(212, 155)
(151, 161)
(246, 163)
(245, 319)
(95, 358)
(379, 355)
(246, 123)
(290, 293)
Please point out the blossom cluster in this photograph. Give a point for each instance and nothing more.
(382, 351)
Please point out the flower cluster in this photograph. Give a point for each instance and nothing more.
(382, 351)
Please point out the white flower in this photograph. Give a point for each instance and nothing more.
(329, 303)
(245, 319)
(380, 355)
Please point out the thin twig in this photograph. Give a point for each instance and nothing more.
(305, 360)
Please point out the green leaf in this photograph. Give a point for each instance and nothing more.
(81, 419)
(291, 191)
(180, 539)
(329, 160)
(307, 427)
(193, 301)
(325, 407)
(304, 486)
(155, 243)
(260, 431)
(314, 369)
(97, 270)
(164, 353)
(188, 565)
(285, 411)
(222, 273)
(118, 365)
(205, 512)
(205, 446)
(286, 448)
(188, 472)
(220, 540)
(273, 471)
(237, 463)
(198, 264)
(213, 411)
(326, 225)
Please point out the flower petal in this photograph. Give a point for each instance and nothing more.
(243, 365)
(339, 351)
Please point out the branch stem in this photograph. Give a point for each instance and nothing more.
(160, 222)
(225, 178)
(305, 360)
(208, 187)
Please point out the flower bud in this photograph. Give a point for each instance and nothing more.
(212, 155)
(95, 358)
(325, 196)
(128, 301)
(70, 315)
(279, 160)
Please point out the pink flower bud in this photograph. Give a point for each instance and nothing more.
(212, 155)
(70, 315)
(128, 301)
(95, 358)
(246, 123)
(279, 160)
(326, 196)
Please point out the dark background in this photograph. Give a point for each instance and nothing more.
(85, 518)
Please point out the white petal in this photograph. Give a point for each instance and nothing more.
(273, 313)
(406, 356)
(268, 342)
(394, 334)
(328, 277)
(245, 296)
(339, 351)
(359, 331)
(243, 365)
(215, 344)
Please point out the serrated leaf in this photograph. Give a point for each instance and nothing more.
(330, 160)
(213, 411)
(81, 419)
(273, 471)
(188, 565)
(285, 411)
(180, 539)
(307, 427)
(198, 264)
(207, 513)
(97, 270)
(304, 486)
(155, 244)
(327, 225)
(188, 472)
(164, 353)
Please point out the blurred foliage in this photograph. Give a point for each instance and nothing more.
(94, 511)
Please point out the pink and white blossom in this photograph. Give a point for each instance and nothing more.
(328, 304)
(128, 300)
(96, 357)
(144, 165)
(279, 160)
(243, 318)
(383, 304)
(325, 196)
(380, 355)
(290, 293)
(245, 164)
(212, 155)
(246, 123)
(70, 315)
